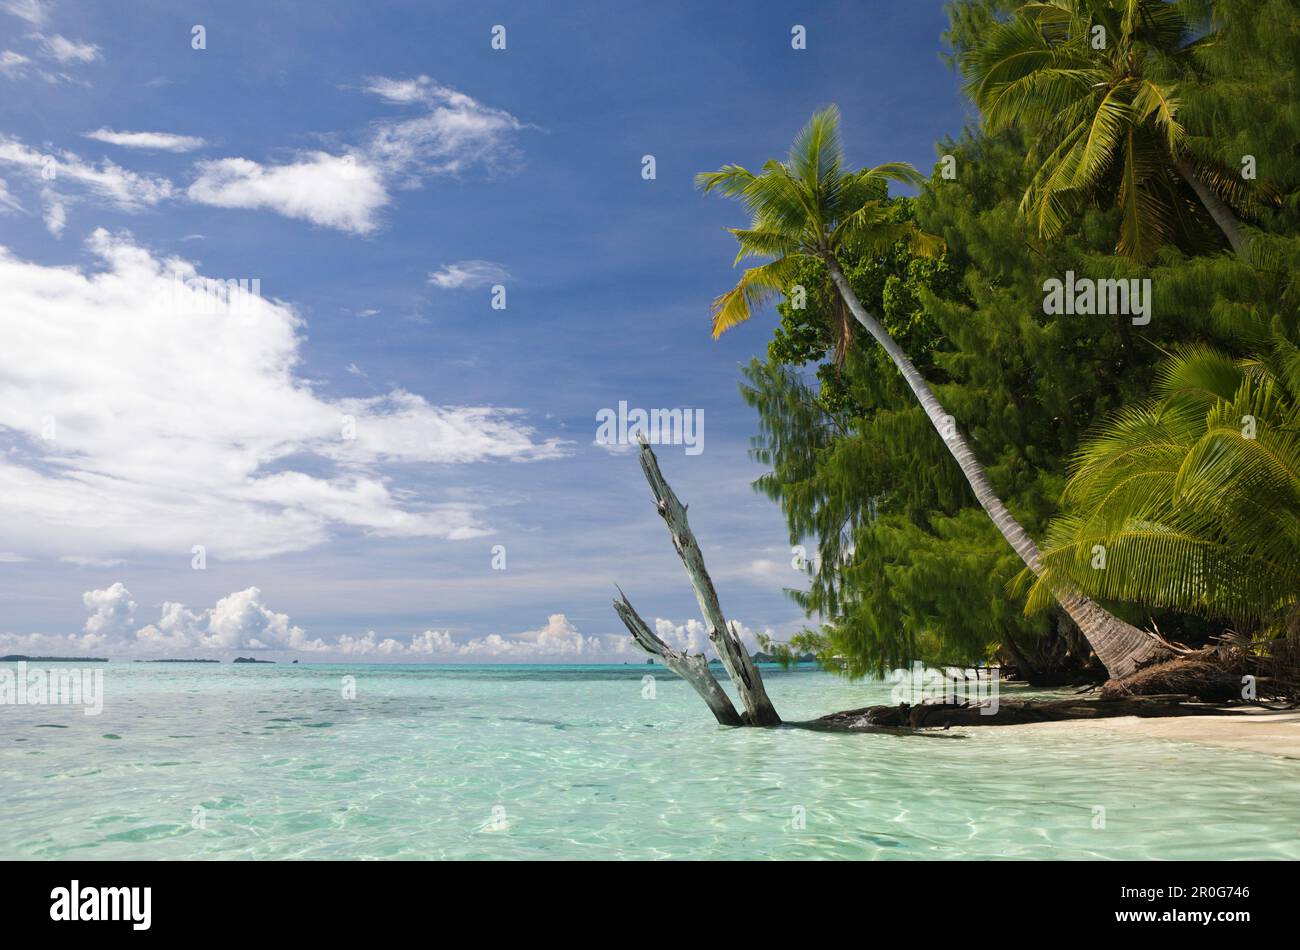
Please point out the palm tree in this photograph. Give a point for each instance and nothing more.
(811, 207)
(1193, 500)
(1105, 121)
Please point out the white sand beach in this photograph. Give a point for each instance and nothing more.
(1273, 732)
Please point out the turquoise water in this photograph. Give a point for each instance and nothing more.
(223, 761)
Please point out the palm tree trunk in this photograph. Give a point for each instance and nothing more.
(1121, 647)
(1220, 212)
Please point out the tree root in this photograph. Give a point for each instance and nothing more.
(1222, 674)
(1207, 680)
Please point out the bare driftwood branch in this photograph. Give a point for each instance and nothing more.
(740, 667)
(694, 669)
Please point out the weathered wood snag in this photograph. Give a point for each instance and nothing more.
(737, 662)
(692, 668)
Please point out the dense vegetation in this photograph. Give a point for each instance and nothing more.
(1157, 464)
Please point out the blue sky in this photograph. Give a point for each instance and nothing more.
(378, 170)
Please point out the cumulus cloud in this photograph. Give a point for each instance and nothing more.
(343, 192)
(239, 621)
(112, 613)
(243, 622)
(140, 412)
(559, 638)
(155, 141)
(468, 274)
(693, 637)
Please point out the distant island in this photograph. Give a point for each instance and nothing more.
(249, 659)
(761, 657)
(178, 661)
(20, 658)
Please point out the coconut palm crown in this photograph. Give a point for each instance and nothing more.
(808, 206)
(1094, 87)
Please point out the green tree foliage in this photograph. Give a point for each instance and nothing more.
(906, 565)
(1097, 87)
(1192, 501)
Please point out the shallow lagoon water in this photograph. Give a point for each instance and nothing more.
(561, 762)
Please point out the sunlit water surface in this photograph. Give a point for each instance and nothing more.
(224, 761)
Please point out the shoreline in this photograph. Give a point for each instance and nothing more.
(1252, 729)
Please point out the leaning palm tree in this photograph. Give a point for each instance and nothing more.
(1192, 501)
(811, 206)
(1094, 86)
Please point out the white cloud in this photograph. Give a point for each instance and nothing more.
(56, 215)
(156, 141)
(35, 12)
(124, 189)
(8, 202)
(431, 642)
(138, 416)
(238, 622)
(242, 621)
(13, 65)
(468, 274)
(559, 638)
(455, 132)
(343, 192)
(112, 613)
(65, 50)
(401, 91)
(693, 636)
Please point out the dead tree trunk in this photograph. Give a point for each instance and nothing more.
(694, 669)
(738, 664)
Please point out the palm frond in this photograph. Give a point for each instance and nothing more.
(1191, 501)
(756, 286)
